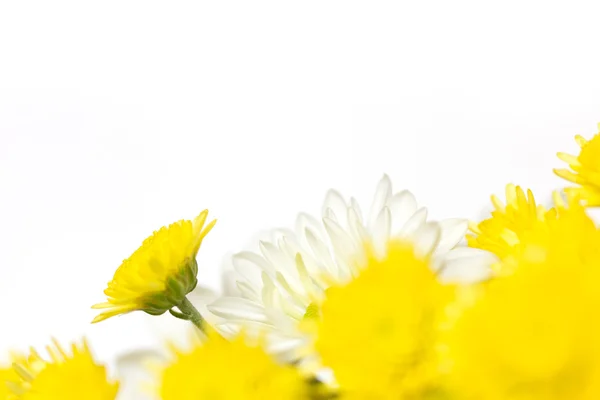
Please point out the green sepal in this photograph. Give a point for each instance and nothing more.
(179, 315)
(177, 287)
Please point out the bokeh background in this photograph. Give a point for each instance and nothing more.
(118, 117)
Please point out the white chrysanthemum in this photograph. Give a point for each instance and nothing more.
(291, 272)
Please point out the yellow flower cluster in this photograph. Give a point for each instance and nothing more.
(533, 334)
(390, 328)
(67, 375)
(217, 368)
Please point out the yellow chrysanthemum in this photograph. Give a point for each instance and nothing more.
(378, 332)
(533, 335)
(74, 376)
(585, 170)
(503, 231)
(216, 368)
(159, 275)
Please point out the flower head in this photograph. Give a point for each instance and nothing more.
(585, 170)
(229, 370)
(287, 279)
(533, 334)
(160, 273)
(66, 376)
(503, 231)
(378, 333)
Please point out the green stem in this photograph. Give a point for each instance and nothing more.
(188, 309)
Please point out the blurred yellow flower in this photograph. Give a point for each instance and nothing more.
(534, 334)
(503, 231)
(74, 376)
(216, 368)
(378, 333)
(7, 374)
(160, 273)
(585, 170)
(9, 378)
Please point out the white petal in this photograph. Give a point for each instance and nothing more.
(355, 226)
(340, 240)
(354, 204)
(402, 206)
(247, 291)
(251, 327)
(334, 207)
(250, 266)
(229, 283)
(292, 249)
(285, 346)
(306, 222)
(464, 272)
(414, 223)
(382, 194)
(289, 246)
(278, 259)
(381, 231)
(453, 231)
(326, 375)
(236, 308)
(228, 329)
(291, 288)
(318, 273)
(303, 274)
(328, 213)
(466, 265)
(464, 252)
(426, 239)
(285, 264)
(349, 266)
(277, 234)
(316, 244)
(269, 292)
(284, 322)
(320, 251)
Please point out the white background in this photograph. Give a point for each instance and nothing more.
(118, 117)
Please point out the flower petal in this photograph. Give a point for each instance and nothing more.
(426, 239)
(402, 206)
(235, 308)
(453, 230)
(382, 194)
(414, 222)
(334, 207)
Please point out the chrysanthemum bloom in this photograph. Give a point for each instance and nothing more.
(533, 334)
(216, 368)
(378, 333)
(503, 231)
(74, 376)
(288, 278)
(585, 170)
(159, 275)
